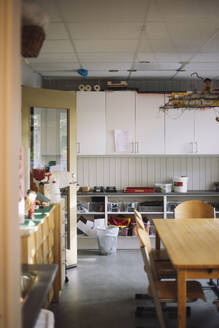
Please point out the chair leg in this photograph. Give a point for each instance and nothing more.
(158, 308)
(142, 297)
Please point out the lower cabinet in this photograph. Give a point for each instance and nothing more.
(44, 243)
(117, 206)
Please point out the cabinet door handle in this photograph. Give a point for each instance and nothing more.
(133, 149)
(137, 147)
(78, 147)
(193, 147)
(196, 149)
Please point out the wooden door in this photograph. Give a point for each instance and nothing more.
(50, 99)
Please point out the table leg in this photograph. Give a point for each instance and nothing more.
(157, 242)
(181, 292)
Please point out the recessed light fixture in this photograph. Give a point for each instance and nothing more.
(113, 70)
(132, 70)
(144, 62)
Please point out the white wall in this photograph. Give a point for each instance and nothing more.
(145, 171)
(29, 78)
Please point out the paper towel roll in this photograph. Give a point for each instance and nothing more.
(96, 87)
(81, 87)
(87, 87)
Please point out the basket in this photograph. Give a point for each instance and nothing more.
(83, 207)
(32, 40)
(130, 206)
(114, 207)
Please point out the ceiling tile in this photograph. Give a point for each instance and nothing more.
(105, 57)
(107, 66)
(96, 74)
(105, 45)
(105, 31)
(54, 66)
(103, 11)
(174, 56)
(206, 57)
(152, 74)
(57, 46)
(157, 46)
(53, 57)
(203, 66)
(155, 31)
(49, 7)
(56, 31)
(157, 67)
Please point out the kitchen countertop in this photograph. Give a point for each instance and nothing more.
(155, 194)
(37, 295)
(39, 216)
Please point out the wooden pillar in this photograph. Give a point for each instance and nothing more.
(10, 141)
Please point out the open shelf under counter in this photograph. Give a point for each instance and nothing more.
(90, 213)
(132, 213)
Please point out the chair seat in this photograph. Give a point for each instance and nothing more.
(167, 291)
(165, 270)
(160, 255)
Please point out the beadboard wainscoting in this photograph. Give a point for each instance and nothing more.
(122, 171)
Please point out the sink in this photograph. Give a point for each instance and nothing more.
(28, 280)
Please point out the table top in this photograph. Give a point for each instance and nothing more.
(190, 243)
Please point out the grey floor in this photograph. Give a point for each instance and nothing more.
(100, 293)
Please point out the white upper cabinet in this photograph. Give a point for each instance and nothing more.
(206, 132)
(149, 124)
(179, 132)
(120, 114)
(91, 123)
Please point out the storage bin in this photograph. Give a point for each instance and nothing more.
(130, 206)
(114, 207)
(123, 232)
(83, 207)
(150, 208)
(97, 207)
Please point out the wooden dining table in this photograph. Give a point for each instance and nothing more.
(193, 249)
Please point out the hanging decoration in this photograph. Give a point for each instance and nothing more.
(205, 99)
(34, 23)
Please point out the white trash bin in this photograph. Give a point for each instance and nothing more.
(45, 319)
(107, 240)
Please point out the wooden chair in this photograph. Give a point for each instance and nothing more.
(163, 291)
(162, 267)
(194, 209)
(158, 254)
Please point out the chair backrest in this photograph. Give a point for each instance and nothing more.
(145, 243)
(194, 209)
(143, 238)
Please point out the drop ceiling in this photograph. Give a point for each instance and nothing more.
(168, 39)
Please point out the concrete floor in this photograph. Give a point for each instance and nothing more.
(100, 294)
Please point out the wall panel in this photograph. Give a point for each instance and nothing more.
(122, 171)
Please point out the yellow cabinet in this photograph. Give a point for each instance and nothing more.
(43, 243)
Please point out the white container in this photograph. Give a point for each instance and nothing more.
(166, 187)
(163, 187)
(55, 192)
(180, 184)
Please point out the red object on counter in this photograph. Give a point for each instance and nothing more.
(140, 190)
(31, 213)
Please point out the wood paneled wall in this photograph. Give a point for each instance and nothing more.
(145, 171)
